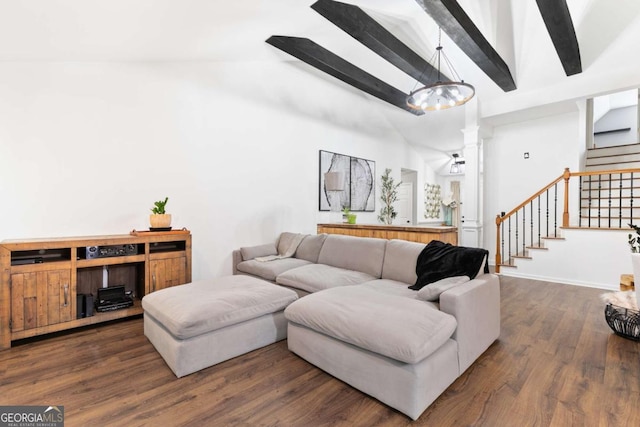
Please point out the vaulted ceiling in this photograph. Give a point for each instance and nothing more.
(529, 37)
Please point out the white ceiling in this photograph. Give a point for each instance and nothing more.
(216, 30)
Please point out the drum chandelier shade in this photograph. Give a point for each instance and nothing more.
(441, 95)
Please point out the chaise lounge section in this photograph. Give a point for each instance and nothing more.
(364, 325)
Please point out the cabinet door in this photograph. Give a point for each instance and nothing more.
(168, 272)
(40, 298)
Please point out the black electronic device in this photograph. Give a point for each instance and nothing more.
(112, 298)
(80, 313)
(165, 247)
(39, 256)
(88, 305)
(84, 305)
(110, 251)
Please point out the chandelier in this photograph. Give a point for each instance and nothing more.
(441, 95)
(456, 167)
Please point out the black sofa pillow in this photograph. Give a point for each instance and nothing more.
(439, 260)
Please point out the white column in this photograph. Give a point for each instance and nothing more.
(471, 226)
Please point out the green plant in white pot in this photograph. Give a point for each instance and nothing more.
(349, 216)
(388, 195)
(159, 218)
(634, 245)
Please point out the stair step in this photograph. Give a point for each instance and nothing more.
(584, 227)
(609, 151)
(508, 265)
(612, 160)
(611, 165)
(538, 247)
(613, 218)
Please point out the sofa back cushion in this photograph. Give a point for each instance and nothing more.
(400, 261)
(251, 252)
(363, 254)
(287, 241)
(309, 248)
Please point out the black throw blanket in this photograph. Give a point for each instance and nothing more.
(439, 260)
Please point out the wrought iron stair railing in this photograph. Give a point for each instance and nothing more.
(607, 199)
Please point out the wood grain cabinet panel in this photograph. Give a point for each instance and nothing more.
(40, 299)
(168, 272)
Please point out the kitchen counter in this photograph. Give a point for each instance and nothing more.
(412, 233)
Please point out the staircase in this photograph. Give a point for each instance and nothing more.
(590, 209)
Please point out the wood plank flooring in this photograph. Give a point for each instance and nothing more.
(556, 363)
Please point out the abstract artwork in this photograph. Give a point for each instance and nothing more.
(359, 175)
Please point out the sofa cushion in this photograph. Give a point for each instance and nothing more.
(363, 254)
(207, 305)
(269, 270)
(400, 260)
(401, 328)
(252, 252)
(391, 287)
(316, 277)
(432, 291)
(309, 248)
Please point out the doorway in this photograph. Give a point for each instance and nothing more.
(407, 195)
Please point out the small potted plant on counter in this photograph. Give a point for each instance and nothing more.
(349, 216)
(160, 220)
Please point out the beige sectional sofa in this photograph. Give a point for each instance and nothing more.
(360, 322)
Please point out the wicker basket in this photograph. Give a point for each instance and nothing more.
(623, 321)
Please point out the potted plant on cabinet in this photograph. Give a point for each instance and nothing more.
(349, 216)
(160, 219)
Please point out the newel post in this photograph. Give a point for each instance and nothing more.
(565, 214)
(498, 254)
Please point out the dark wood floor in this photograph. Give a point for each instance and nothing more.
(556, 364)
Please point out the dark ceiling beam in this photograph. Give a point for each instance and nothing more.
(362, 27)
(458, 26)
(557, 19)
(324, 60)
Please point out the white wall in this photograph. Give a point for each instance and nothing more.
(86, 147)
(509, 179)
(615, 119)
(594, 258)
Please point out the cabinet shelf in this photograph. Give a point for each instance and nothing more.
(98, 317)
(43, 281)
(96, 262)
(45, 266)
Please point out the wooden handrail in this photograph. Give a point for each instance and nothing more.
(566, 175)
(605, 172)
(501, 219)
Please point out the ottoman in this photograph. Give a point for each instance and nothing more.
(200, 324)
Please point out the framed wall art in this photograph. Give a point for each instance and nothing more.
(359, 182)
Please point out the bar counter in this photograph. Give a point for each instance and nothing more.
(412, 233)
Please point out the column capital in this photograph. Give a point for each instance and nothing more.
(470, 130)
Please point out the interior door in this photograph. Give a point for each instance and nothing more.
(404, 204)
